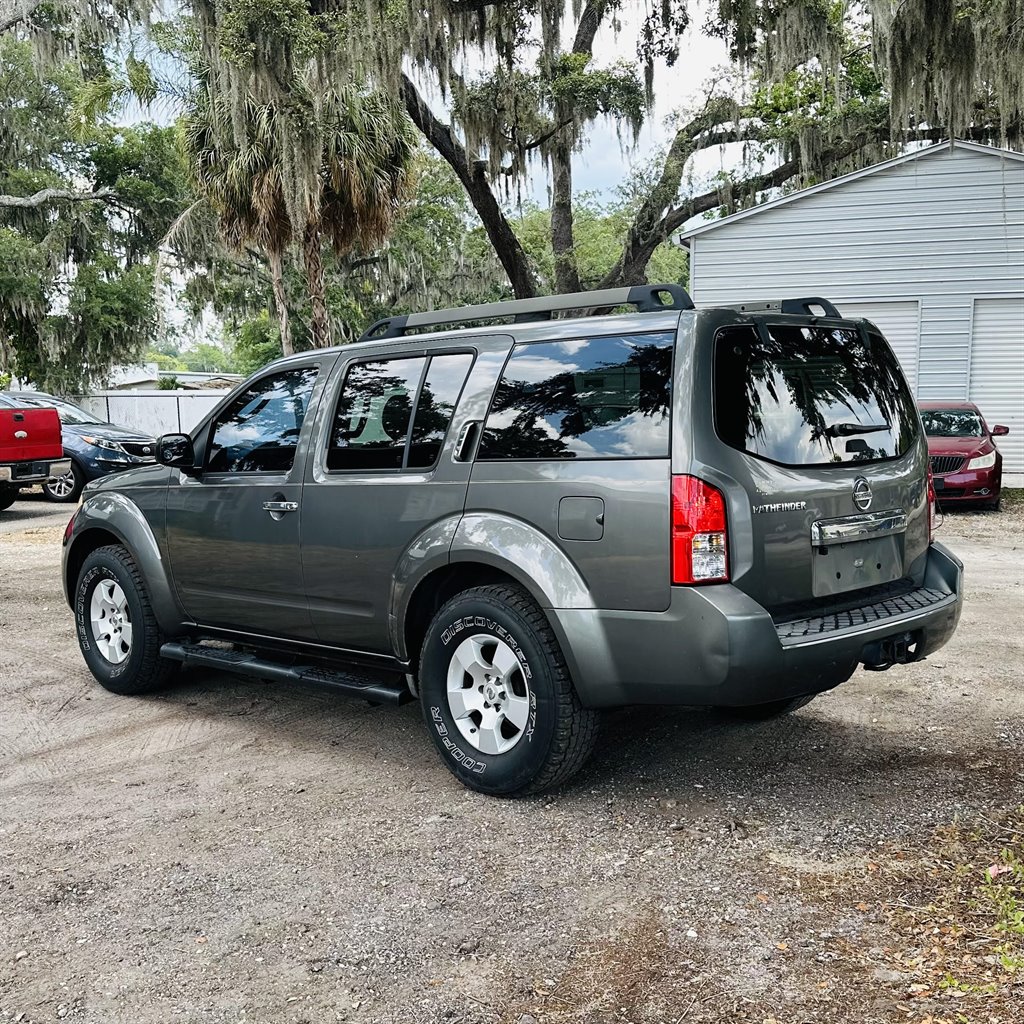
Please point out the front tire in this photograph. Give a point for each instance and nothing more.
(497, 697)
(66, 488)
(117, 630)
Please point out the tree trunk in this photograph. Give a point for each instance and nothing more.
(567, 275)
(281, 302)
(499, 231)
(312, 259)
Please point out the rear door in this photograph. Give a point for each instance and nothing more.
(576, 443)
(383, 471)
(819, 440)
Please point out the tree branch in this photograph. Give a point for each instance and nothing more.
(499, 231)
(55, 195)
(590, 21)
(648, 232)
(21, 12)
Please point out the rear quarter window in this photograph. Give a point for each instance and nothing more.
(811, 395)
(587, 398)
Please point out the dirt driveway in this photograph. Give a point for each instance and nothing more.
(234, 852)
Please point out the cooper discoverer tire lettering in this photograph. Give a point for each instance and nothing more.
(115, 625)
(497, 697)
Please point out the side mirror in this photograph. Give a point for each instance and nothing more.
(176, 450)
(998, 431)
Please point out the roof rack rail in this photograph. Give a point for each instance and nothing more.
(648, 298)
(801, 307)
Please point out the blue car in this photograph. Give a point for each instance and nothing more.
(95, 448)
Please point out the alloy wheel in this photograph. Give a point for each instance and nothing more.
(111, 621)
(488, 695)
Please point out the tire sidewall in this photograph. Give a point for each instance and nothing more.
(490, 773)
(118, 678)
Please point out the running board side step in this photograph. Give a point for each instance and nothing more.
(367, 687)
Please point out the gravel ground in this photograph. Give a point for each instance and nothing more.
(233, 852)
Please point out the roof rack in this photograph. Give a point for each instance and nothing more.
(801, 307)
(648, 298)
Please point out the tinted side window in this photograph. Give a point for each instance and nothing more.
(259, 431)
(596, 398)
(371, 425)
(435, 407)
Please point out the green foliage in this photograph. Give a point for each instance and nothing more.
(5, 381)
(207, 357)
(77, 279)
(168, 384)
(257, 342)
(598, 229)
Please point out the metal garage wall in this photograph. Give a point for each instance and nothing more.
(900, 322)
(997, 372)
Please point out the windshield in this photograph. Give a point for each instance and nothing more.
(67, 412)
(952, 423)
(806, 396)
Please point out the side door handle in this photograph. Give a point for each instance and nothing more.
(280, 507)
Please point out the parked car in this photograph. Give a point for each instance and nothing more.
(95, 448)
(523, 524)
(965, 461)
(30, 450)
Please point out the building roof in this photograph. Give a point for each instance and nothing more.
(919, 154)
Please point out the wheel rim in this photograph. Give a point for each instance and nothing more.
(111, 621)
(62, 486)
(488, 695)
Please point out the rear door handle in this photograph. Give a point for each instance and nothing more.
(280, 506)
(467, 438)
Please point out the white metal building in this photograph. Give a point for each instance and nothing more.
(929, 246)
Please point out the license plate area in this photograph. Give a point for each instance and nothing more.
(862, 563)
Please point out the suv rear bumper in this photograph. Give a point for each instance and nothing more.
(715, 645)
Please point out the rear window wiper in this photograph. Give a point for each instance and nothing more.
(848, 429)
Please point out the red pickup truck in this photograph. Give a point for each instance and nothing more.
(30, 450)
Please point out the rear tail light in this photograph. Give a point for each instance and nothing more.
(699, 538)
(931, 506)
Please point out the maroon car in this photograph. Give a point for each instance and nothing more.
(966, 464)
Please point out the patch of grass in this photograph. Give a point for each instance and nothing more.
(1013, 496)
(957, 911)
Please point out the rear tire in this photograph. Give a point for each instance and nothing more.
(497, 697)
(8, 496)
(772, 709)
(117, 630)
(66, 488)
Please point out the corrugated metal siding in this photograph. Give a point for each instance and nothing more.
(899, 322)
(997, 372)
(941, 230)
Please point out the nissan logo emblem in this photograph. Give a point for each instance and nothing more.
(145, 451)
(862, 494)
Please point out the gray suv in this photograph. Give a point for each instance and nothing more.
(520, 523)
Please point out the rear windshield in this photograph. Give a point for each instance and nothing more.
(806, 396)
(951, 423)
